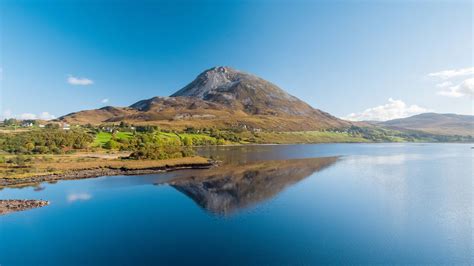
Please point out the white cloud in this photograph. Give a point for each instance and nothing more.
(453, 73)
(78, 196)
(79, 81)
(27, 116)
(464, 85)
(106, 100)
(392, 110)
(465, 88)
(1, 73)
(444, 84)
(46, 116)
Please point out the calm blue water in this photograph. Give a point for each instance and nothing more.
(354, 203)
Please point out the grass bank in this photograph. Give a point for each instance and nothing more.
(305, 137)
(57, 165)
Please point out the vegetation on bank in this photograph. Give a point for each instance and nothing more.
(29, 150)
(53, 150)
(151, 142)
(43, 165)
(380, 134)
(47, 141)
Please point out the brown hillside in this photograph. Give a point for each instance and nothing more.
(219, 97)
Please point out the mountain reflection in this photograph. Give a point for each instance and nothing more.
(229, 188)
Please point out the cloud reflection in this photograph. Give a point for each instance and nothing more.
(78, 196)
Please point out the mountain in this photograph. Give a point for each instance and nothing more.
(243, 91)
(443, 124)
(219, 97)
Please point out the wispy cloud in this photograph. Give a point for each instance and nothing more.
(455, 83)
(465, 88)
(392, 110)
(42, 116)
(79, 81)
(27, 116)
(106, 100)
(78, 196)
(444, 84)
(46, 116)
(453, 73)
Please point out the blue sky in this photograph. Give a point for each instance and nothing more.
(354, 59)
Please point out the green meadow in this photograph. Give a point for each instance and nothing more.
(102, 138)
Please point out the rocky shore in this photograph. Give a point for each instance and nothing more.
(92, 173)
(9, 206)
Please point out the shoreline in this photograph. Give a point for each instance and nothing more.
(99, 172)
(11, 206)
(115, 168)
(323, 143)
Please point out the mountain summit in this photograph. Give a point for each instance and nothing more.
(243, 91)
(209, 81)
(219, 97)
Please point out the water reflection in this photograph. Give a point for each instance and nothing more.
(39, 188)
(378, 204)
(229, 188)
(79, 197)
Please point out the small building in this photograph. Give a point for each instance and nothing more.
(27, 124)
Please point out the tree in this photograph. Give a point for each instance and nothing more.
(52, 126)
(111, 144)
(187, 141)
(44, 141)
(10, 122)
(29, 146)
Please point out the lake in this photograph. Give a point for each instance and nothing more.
(266, 205)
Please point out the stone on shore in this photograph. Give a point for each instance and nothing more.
(10, 206)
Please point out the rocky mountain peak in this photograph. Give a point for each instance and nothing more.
(211, 80)
(244, 91)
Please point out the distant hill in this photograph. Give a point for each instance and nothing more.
(442, 124)
(219, 97)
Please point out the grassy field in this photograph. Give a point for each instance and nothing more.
(199, 139)
(202, 139)
(306, 137)
(195, 137)
(167, 135)
(103, 137)
(7, 130)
